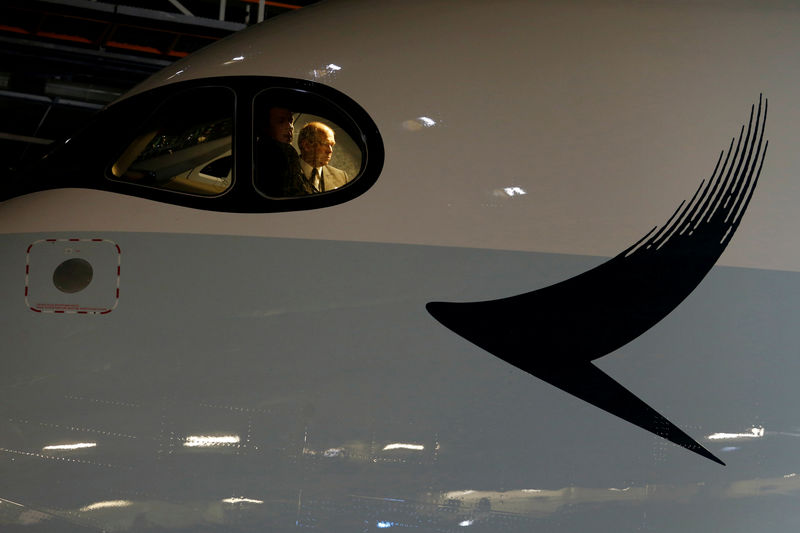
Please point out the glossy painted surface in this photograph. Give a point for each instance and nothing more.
(249, 394)
(279, 371)
(607, 115)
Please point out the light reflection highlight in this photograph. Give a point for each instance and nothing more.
(333, 452)
(107, 505)
(241, 500)
(509, 192)
(536, 503)
(514, 191)
(755, 433)
(234, 60)
(178, 73)
(419, 123)
(3, 500)
(74, 446)
(466, 523)
(458, 493)
(204, 441)
(331, 69)
(401, 446)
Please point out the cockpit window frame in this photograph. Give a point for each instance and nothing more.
(85, 160)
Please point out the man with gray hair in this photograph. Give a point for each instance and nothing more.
(316, 142)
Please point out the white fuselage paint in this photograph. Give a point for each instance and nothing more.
(608, 116)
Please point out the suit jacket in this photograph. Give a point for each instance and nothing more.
(334, 178)
(278, 173)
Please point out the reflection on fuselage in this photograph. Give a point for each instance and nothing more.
(313, 507)
(335, 484)
(75, 446)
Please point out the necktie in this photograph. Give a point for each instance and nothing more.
(315, 181)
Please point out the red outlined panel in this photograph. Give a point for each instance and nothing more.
(97, 290)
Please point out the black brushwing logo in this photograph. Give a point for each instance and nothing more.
(556, 332)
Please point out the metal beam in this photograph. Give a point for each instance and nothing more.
(275, 4)
(178, 18)
(181, 8)
(23, 138)
(51, 101)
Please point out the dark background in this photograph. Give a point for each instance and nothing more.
(61, 61)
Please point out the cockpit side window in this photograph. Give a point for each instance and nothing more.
(186, 145)
(302, 146)
(216, 144)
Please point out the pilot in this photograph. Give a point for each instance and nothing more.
(278, 173)
(316, 142)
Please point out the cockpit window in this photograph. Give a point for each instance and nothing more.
(186, 146)
(298, 151)
(239, 144)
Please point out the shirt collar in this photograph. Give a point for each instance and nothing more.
(307, 168)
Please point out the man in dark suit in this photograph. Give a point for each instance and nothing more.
(316, 142)
(278, 173)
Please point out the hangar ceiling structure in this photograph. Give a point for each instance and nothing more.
(61, 61)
